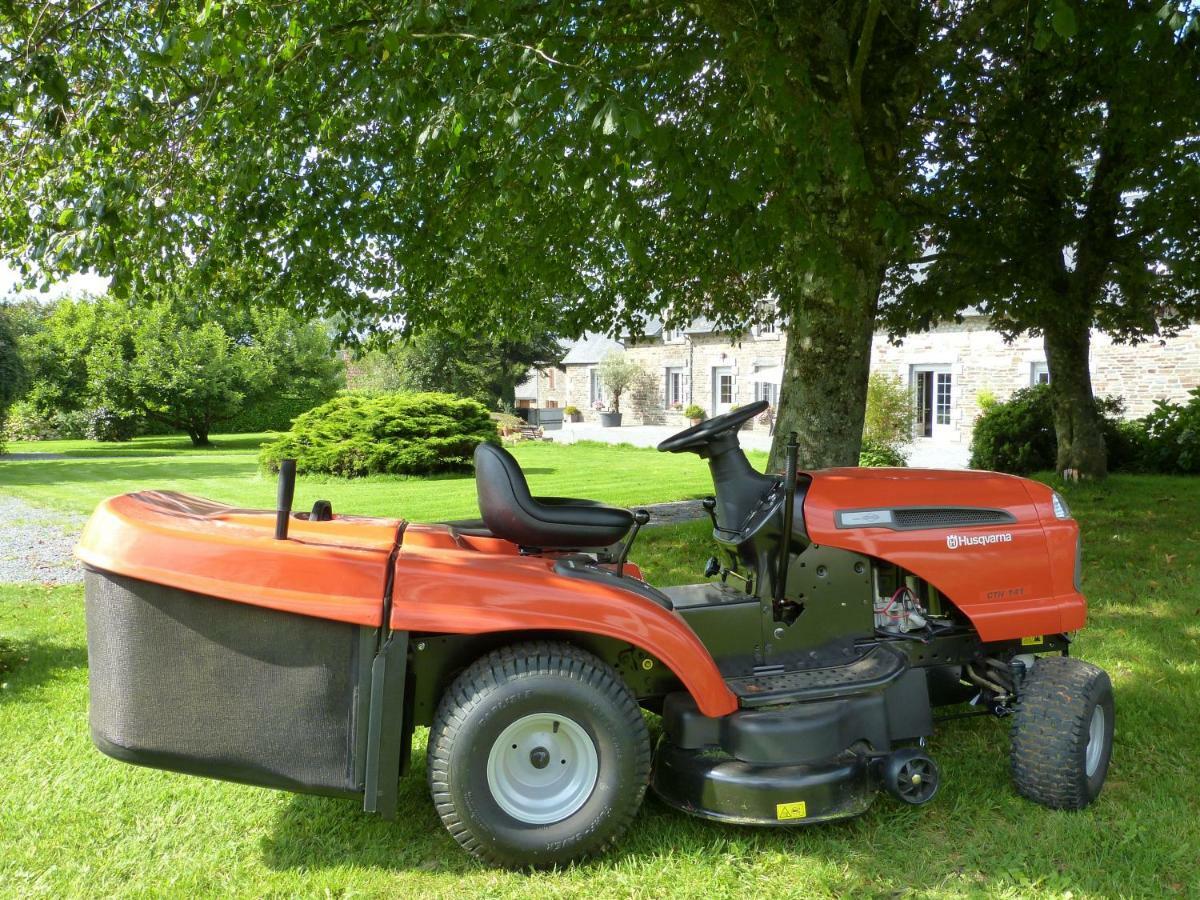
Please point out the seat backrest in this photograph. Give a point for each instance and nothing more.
(512, 513)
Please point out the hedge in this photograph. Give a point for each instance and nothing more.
(358, 434)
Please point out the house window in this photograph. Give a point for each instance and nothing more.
(933, 394)
(673, 335)
(1039, 373)
(764, 390)
(767, 330)
(674, 388)
(550, 379)
(596, 392)
(725, 389)
(943, 398)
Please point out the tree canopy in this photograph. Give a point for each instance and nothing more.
(589, 163)
(1063, 190)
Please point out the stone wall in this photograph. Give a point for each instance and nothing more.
(980, 361)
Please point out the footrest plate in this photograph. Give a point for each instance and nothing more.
(873, 671)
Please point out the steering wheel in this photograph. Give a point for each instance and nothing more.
(698, 436)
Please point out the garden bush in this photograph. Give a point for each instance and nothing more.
(1169, 437)
(888, 422)
(874, 455)
(357, 434)
(106, 424)
(1016, 436)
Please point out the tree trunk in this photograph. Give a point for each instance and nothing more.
(199, 436)
(1077, 422)
(824, 392)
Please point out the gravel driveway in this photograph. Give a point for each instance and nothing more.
(36, 544)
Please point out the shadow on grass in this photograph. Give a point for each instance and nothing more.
(25, 665)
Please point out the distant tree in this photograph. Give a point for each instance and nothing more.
(184, 375)
(12, 370)
(55, 342)
(481, 365)
(1062, 190)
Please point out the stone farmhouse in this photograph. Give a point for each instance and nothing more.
(948, 369)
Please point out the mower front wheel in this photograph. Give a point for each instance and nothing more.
(538, 755)
(1062, 733)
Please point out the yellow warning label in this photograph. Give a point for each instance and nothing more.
(1036, 641)
(797, 810)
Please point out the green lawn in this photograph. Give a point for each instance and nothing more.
(229, 472)
(74, 822)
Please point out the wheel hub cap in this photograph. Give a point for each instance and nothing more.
(542, 768)
(1095, 744)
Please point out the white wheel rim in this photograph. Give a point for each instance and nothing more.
(1095, 744)
(542, 768)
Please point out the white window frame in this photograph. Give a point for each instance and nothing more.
(670, 399)
(1037, 369)
(767, 390)
(768, 331)
(673, 335)
(595, 387)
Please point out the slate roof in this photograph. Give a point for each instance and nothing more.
(590, 349)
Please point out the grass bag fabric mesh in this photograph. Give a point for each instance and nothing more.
(191, 683)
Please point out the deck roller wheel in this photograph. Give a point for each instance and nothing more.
(910, 776)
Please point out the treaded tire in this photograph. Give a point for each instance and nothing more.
(496, 691)
(1050, 732)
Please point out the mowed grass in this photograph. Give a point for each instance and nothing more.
(229, 473)
(73, 822)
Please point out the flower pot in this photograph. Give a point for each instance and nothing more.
(695, 421)
(575, 417)
(610, 420)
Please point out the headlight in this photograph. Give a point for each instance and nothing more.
(1060, 506)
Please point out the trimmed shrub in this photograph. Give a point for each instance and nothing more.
(399, 434)
(695, 411)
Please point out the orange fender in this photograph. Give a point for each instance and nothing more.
(460, 585)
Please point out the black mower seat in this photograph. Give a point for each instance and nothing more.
(549, 523)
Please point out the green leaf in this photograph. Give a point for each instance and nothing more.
(1063, 19)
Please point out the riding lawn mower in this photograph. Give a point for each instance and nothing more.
(840, 608)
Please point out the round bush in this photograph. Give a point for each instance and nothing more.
(1016, 436)
(397, 434)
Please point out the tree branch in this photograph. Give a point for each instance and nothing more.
(862, 53)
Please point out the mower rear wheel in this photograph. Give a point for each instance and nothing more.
(1062, 733)
(538, 755)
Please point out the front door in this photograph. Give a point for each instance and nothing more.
(722, 389)
(933, 394)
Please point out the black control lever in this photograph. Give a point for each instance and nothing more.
(710, 507)
(640, 518)
(283, 501)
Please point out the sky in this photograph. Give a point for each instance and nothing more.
(76, 284)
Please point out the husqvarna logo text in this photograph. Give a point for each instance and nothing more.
(954, 541)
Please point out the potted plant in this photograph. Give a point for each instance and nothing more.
(618, 374)
(572, 413)
(695, 413)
